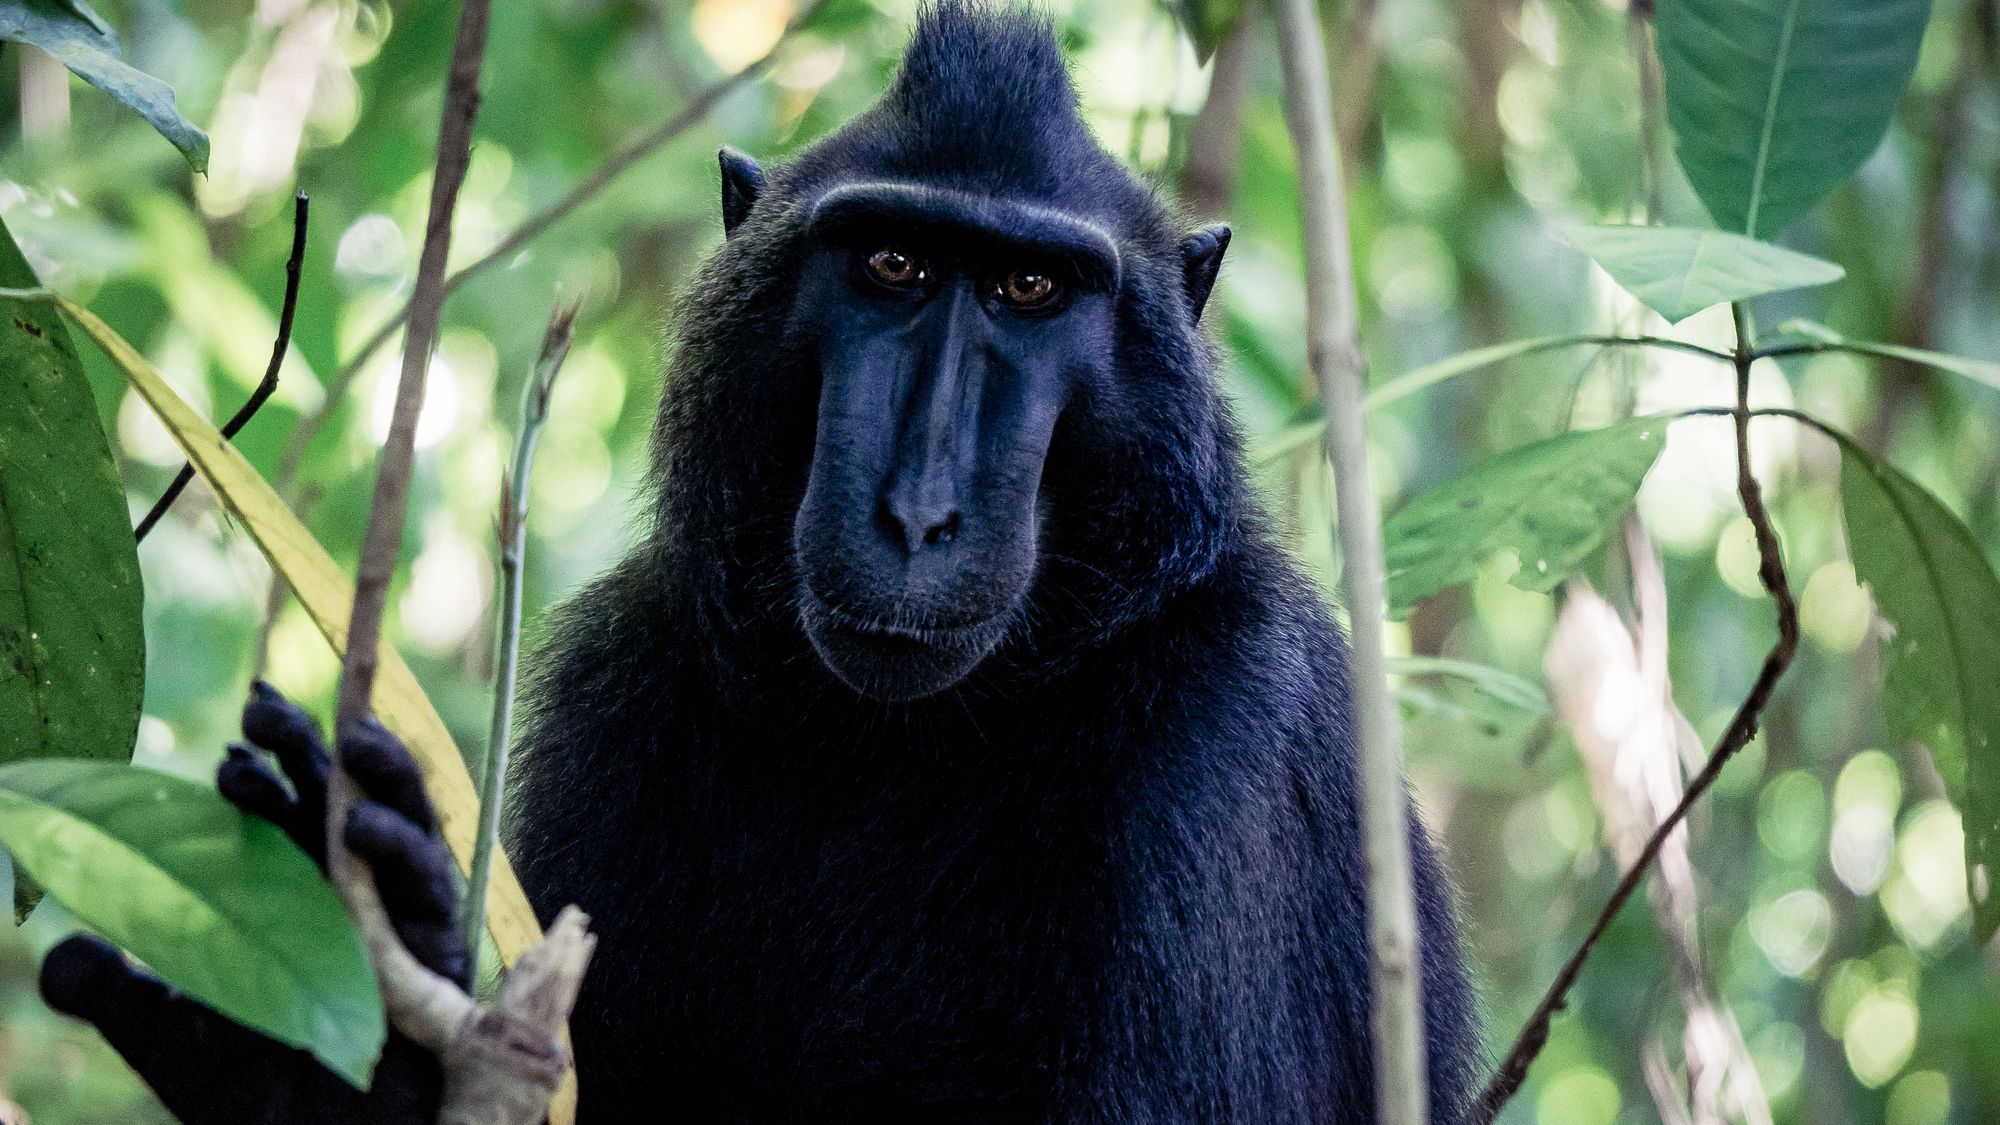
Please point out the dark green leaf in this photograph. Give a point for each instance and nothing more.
(1774, 103)
(72, 644)
(80, 39)
(221, 905)
(1679, 271)
(1938, 590)
(1208, 23)
(1550, 503)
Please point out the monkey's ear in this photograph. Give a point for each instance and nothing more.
(742, 183)
(1201, 258)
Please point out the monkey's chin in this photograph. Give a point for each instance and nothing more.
(894, 663)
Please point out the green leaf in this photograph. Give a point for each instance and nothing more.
(1551, 503)
(1679, 271)
(1935, 585)
(72, 642)
(1208, 23)
(1497, 684)
(80, 39)
(1979, 371)
(221, 905)
(1774, 103)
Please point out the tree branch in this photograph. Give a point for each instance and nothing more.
(266, 386)
(1742, 727)
(501, 1065)
(1336, 368)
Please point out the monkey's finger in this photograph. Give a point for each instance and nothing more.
(251, 786)
(414, 875)
(246, 782)
(186, 1052)
(378, 762)
(282, 727)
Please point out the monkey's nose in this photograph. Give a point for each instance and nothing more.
(918, 522)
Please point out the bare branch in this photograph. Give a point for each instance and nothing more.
(1337, 372)
(267, 385)
(1742, 727)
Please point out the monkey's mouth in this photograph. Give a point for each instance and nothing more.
(896, 659)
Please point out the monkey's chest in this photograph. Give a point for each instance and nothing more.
(864, 967)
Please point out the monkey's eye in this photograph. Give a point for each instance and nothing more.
(1026, 289)
(896, 269)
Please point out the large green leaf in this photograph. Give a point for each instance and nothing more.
(1774, 103)
(1551, 503)
(72, 642)
(221, 905)
(1942, 687)
(80, 39)
(1679, 271)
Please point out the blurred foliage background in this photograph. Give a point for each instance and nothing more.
(1831, 931)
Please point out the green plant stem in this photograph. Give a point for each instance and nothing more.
(1465, 363)
(1338, 374)
(513, 551)
(1983, 372)
(1534, 1034)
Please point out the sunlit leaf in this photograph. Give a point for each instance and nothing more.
(1679, 271)
(221, 905)
(1937, 589)
(72, 643)
(1774, 103)
(1550, 503)
(80, 39)
(327, 594)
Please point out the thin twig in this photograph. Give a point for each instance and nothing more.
(513, 549)
(267, 385)
(1337, 369)
(614, 166)
(1742, 727)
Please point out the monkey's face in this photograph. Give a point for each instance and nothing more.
(949, 331)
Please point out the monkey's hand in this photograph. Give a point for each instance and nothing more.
(210, 1070)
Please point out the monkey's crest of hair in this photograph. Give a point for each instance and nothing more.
(983, 102)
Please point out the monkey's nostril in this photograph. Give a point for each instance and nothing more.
(917, 525)
(943, 532)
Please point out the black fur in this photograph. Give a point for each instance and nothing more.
(1114, 873)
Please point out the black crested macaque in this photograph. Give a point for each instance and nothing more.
(958, 744)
